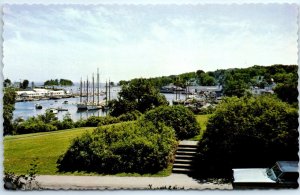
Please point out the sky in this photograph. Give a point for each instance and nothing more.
(44, 42)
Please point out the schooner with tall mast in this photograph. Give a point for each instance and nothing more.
(82, 105)
(90, 103)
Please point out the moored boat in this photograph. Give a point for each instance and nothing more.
(52, 110)
(38, 106)
(81, 106)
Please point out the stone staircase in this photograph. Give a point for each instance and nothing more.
(184, 157)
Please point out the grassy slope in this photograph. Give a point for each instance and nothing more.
(21, 150)
(202, 120)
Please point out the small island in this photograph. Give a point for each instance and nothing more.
(56, 82)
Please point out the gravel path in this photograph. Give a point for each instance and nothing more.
(180, 181)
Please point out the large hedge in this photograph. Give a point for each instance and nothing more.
(126, 147)
(248, 132)
(180, 118)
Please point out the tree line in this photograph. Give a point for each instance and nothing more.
(237, 81)
(55, 82)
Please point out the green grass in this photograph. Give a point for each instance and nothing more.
(21, 150)
(202, 120)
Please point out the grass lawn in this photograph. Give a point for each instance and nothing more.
(21, 150)
(202, 120)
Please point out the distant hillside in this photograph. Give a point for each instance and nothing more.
(236, 80)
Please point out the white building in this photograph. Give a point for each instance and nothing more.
(57, 93)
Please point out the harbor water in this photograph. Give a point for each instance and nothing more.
(27, 109)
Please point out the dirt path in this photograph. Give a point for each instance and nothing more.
(114, 182)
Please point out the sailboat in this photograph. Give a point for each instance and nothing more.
(82, 105)
(107, 97)
(95, 105)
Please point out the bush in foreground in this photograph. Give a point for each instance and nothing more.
(248, 132)
(181, 119)
(127, 147)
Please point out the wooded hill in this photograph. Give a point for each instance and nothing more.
(237, 81)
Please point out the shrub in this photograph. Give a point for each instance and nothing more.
(95, 121)
(107, 120)
(248, 132)
(130, 116)
(127, 147)
(80, 123)
(34, 126)
(181, 119)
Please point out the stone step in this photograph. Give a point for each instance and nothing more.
(183, 161)
(181, 170)
(186, 148)
(186, 166)
(189, 153)
(187, 157)
(188, 142)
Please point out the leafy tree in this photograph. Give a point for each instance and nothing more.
(248, 132)
(8, 108)
(7, 82)
(138, 94)
(205, 79)
(65, 82)
(235, 85)
(180, 118)
(287, 92)
(287, 88)
(25, 84)
(122, 82)
(51, 82)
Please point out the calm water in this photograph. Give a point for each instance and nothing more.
(27, 109)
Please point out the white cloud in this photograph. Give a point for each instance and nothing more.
(126, 42)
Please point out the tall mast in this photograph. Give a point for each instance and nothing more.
(93, 90)
(106, 92)
(81, 90)
(83, 87)
(98, 87)
(87, 89)
(109, 89)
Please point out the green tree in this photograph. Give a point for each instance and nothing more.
(248, 132)
(25, 84)
(287, 92)
(180, 118)
(235, 85)
(138, 94)
(287, 87)
(7, 82)
(205, 79)
(8, 108)
(65, 82)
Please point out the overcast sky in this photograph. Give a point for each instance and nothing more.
(124, 42)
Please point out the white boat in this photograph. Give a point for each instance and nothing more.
(61, 109)
(52, 110)
(93, 107)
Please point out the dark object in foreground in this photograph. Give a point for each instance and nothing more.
(284, 174)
